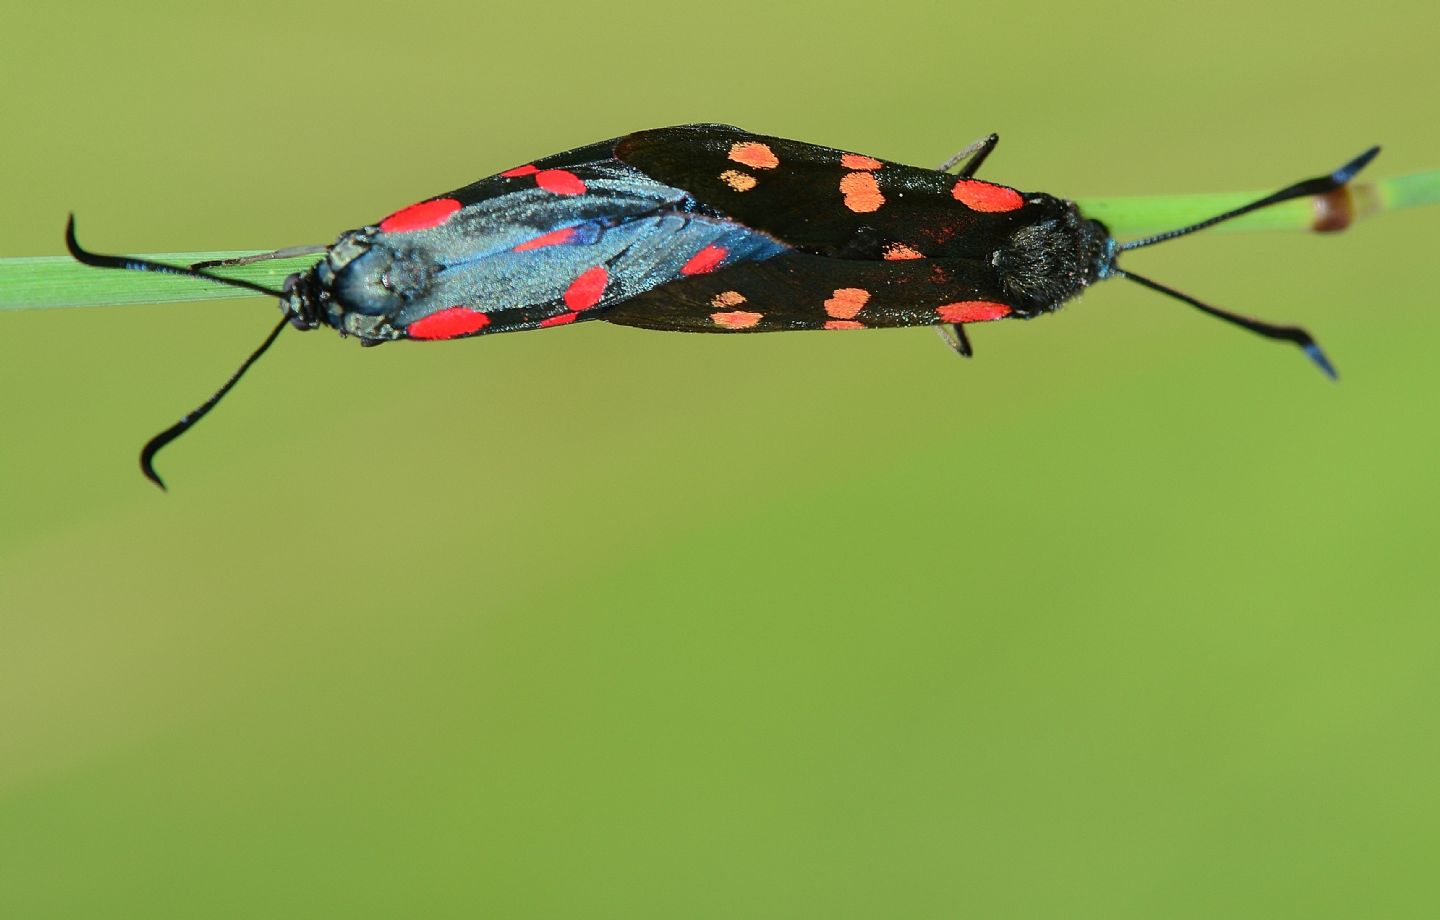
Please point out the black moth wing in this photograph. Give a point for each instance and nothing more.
(823, 200)
(798, 290)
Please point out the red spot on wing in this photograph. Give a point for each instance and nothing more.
(585, 292)
(420, 216)
(862, 192)
(754, 153)
(529, 169)
(846, 302)
(739, 181)
(972, 311)
(448, 324)
(737, 319)
(843, 324)
(899, 252)
(560, 182)
(856, 161)
(982, 196)
(706, 260)
(560, 320)
(555, 238)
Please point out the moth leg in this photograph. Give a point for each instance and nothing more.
(975, 153)
(953, 334)
(289, 252)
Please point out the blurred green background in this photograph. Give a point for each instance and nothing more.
(1134, 615)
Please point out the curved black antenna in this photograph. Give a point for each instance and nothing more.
(1269, 330)
(131, 263)
(1317, 186)
(147, 453)
(1320, 185)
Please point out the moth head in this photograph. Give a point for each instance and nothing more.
(1048, 261)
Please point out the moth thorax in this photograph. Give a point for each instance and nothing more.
(365, 284)
(1049, 261)
(380, 281)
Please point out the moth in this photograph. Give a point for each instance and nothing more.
(709, 228)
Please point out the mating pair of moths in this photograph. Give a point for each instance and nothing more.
(708, 228)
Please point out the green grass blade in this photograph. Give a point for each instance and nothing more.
(59, 281)
(1142, 216)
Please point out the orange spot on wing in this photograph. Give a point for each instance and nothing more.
(856, 161)
(846, 303)
(898, 252)
(727, 299)
(972, 311)
(739, 181)
(862, 192)
(754, 153)
(982, 196)
(843, 324)
(737, 319)
(559, 320)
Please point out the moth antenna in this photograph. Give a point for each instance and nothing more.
(1271, 331)
(289, 252)
(147, 453)
(1317, 186)
(130, 263)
